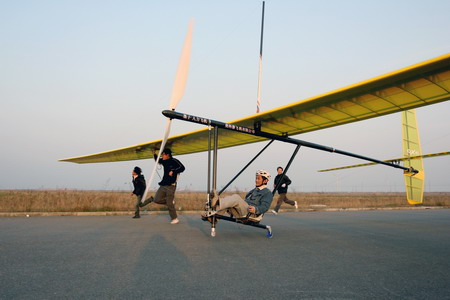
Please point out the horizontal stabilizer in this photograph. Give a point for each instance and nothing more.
(393, 160)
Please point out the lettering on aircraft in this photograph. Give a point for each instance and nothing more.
(196, 119)
(412, 152)
(239, 128)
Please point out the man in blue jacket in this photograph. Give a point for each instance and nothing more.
(167, 186)
(256, 202)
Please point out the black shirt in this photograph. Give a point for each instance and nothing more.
(139, 185)
(285, 180)
(171, 164)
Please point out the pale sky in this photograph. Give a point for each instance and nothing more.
(81, 77)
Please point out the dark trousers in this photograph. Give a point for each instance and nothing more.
(136, 206)
(282, 198)
(165, 195)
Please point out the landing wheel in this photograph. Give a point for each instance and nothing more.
(213, 226)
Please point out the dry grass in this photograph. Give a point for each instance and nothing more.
(365, 200)
(90, 201)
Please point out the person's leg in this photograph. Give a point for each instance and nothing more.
(160, 195)
(288, 201)
(170, 195)
(147, 201)
(137, 205)
(234, 201)
(280, 201)
(165, 196)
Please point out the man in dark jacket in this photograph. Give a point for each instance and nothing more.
(283, 182)
(139, 189)
(167, 186)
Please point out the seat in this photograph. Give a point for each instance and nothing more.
(253, 218)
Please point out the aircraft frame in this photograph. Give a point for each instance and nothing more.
(213, 146)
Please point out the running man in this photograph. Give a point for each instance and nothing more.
(166, 192)
(282, 190)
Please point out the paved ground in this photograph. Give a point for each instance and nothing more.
(320, 255)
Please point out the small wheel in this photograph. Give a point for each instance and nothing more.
(213, 232)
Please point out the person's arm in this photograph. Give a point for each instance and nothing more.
(134, 188)
(287, 181)
(155, 157)
(177, 166)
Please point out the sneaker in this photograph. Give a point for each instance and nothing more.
(274, 212)
(136, 216)
(174, 221)
(296, 205)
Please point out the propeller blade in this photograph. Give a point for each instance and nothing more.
(163, 144)
(183, 68)
(177, 93)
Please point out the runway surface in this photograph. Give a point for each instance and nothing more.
(398, 254)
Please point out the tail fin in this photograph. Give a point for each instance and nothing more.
(414, 182)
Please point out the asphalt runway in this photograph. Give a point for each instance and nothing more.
(397, 254)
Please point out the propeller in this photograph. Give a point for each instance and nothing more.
(177, 93)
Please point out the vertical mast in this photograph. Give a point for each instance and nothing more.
(258, 101)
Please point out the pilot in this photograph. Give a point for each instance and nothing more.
(256, 202)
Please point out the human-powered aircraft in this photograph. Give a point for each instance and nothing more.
(418, 85)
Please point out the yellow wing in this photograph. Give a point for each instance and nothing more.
(415, 86)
